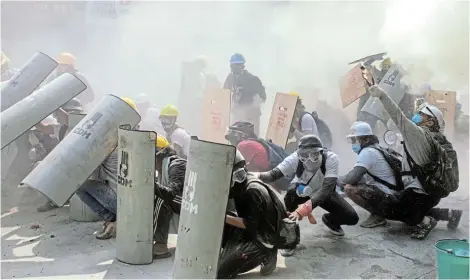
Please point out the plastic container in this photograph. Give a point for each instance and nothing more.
(452, 259)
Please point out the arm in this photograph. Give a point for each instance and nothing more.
(258, 85)
(271, 175)
(174, 189)
(329, 182)
(235, 221)
(353, 177)
(286, 168)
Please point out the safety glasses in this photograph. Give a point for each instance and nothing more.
(352, 139)
(239, 175)
(309, 155)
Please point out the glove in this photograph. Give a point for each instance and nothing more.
(305, 210)
(376, 91)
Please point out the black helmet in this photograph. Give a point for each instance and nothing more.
(241, 126)
(310, 142)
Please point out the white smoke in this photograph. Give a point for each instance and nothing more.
(430, 39)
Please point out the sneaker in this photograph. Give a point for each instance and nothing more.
(336, 230)
(454, 219)
(269, 264)
(47, 206)
(421, 231)
(160, 251)
(373, 221)
(108, 232)
(287, 252)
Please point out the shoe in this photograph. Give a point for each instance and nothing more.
(421, 231)
(454, 219)
(47, 206)
(287, 252)
(269, 264)
(108, 232)
(160, 251)
(373, 221)
(336, 230)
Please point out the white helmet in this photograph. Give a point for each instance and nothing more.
(434, 112)
(360, 129)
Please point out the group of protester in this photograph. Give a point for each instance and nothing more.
(405, 188)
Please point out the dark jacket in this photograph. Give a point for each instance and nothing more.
(245, 87)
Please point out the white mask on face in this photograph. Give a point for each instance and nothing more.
(311, 165)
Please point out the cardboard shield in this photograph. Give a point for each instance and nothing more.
(75, 158)
(23, 83)
(28, 112)
(281, 118)
(79, 211)
(135, 196)
(391, 84)
(352, 86)
(446, 102)
(203, 208)
(216, 115)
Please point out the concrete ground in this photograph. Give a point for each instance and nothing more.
(51, 245)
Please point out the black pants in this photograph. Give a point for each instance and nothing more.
(240, 253)
(341, 212)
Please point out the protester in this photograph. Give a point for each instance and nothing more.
(67, 65)
(324, 131)
(303, 123)
(430, 167)
(6, 72)
(253, 235)
(247, 92)
(371, 184)
(168, 193)
(316, 172)
(259, 154)
(175, 134)
(142, 104)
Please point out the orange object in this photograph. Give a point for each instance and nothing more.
(305, 210)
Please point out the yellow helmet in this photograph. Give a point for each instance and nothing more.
(387, 62)
(129, 102)
(169, 110)
(66, 58)
(3, 58)
(295, 94)
(161, 142)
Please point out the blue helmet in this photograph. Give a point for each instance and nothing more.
(237, 58)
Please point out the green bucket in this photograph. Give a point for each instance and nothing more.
(452, 259)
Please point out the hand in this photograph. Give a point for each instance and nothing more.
(376, 91)
(294, 216)
(256, 174)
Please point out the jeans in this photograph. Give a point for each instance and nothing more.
(100, 197)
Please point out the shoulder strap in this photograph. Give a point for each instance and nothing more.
(323, 161)
(410, 161)
(377, 179)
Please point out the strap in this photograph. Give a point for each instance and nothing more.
(383, 182)
(410, 161)
(323, 162)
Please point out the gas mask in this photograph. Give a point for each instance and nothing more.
(167, 123)
(238, 176)
(311, 159)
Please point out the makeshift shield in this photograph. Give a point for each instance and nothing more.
(23, 83)
(352, 86)
(203, 208)
(446, 102)
(29, 111)
(282, 115)
(71, 162)
(135, 196)
(216, 115)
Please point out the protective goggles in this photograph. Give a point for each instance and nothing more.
(239, 175)
(352, 139)
(312, 155)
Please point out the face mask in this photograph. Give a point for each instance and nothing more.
(417, 119)
(356, 148)
(311, 165)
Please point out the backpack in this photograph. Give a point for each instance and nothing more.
(287, 231)
(301, 168)
(440, 176)
(276, 154)
(394, 161)
(325, 133)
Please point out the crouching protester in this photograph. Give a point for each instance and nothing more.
(99, 192)
(430, 167)
(259, 228)
(372, 184)
(168, 192)
(316, 172)
(260, 155)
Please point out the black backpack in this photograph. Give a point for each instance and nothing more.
(440, 176)
(287, 231)
(394, 161)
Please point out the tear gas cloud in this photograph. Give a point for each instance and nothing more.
(431, 41)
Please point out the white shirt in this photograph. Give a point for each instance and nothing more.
(182, 139)
(308, 125)
(375, 163)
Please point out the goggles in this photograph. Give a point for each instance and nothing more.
(309, 155)
(239, 175)
(352, 139)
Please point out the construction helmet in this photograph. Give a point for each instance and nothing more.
(66, 58)
(237, 58)
(295, 94)
(4, 59)
(169, 110)
(129, 102)
(386, 62)
(161, 142)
